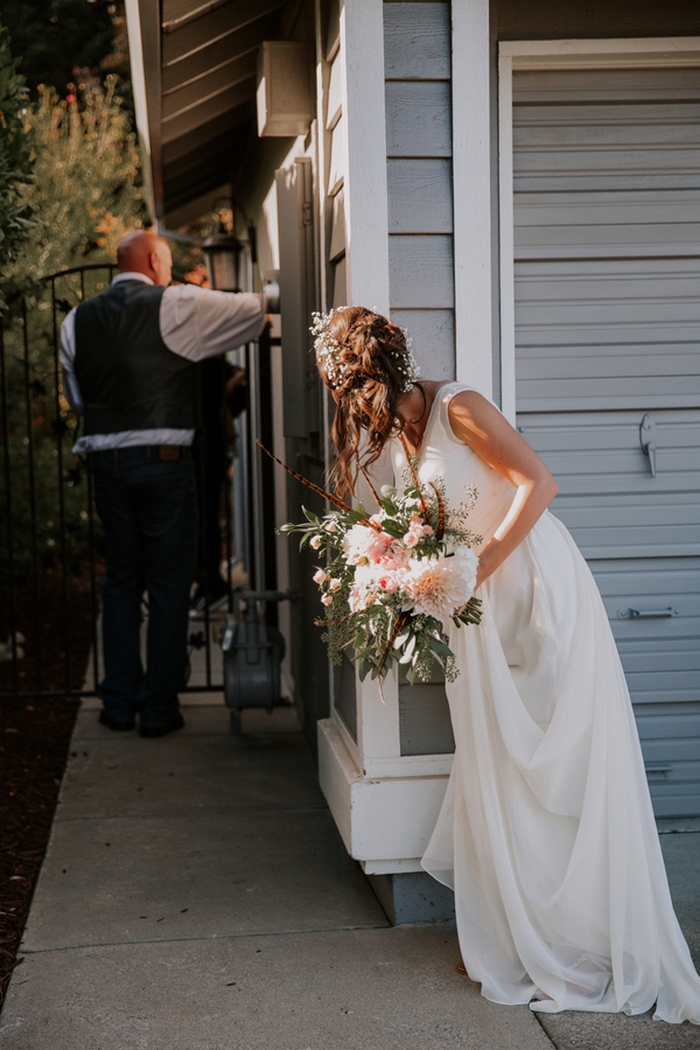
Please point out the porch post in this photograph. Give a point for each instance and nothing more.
(386, 802)
(471, 165)
(366, 215)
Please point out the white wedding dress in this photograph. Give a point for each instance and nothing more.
(547, 834)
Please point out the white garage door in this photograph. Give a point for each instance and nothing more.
(607, 205)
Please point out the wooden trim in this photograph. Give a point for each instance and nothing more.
(596, 54)
(143, 23)
(507, 248)
(557, 54)
(471, 166)
(367, 210)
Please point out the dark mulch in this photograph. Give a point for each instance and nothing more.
(53, 620)
(34, 739)
(34, 736)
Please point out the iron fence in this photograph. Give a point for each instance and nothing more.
(51, 552)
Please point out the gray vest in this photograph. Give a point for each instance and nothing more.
(128, 378)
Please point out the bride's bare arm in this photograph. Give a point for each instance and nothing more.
(477, 423)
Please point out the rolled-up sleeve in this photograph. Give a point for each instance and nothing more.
(196, 322)
(69, 382)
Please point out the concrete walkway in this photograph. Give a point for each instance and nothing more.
(196, 896)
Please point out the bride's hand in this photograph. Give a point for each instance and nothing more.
(483, 570)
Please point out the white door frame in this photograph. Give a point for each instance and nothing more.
(557, 54)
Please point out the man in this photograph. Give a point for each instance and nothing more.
(129, 358)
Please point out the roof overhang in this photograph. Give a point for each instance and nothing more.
(193, 67)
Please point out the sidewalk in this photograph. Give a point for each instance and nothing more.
(196, 896)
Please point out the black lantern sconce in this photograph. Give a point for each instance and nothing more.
(224, 251)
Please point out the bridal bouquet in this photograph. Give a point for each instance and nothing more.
(393, 579)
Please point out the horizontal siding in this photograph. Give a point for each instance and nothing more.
(420, 195)
(421, 272)
(417, 41)
(417, 49)
(418, 119)
(607, 265)
(625, 86)
(432, 333)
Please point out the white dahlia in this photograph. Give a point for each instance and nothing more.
(437, 586)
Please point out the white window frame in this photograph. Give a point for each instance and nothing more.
(471, 166)
(557, 54)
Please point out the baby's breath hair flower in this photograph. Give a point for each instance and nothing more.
(327, 350)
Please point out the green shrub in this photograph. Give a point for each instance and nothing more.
(85, 194)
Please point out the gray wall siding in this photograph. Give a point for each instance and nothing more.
(417, 50)
(607, 265)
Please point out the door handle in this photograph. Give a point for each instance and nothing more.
(646, 614)
(657, 769)
(647, 439)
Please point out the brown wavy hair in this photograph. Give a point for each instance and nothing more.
(369, 360)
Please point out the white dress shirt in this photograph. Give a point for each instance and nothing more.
(195, 323)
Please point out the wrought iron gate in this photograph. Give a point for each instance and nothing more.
(51, 556)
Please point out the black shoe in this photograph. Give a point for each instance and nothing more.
(176, 722)
(106, 719)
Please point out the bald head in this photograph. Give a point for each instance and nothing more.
(144, 252)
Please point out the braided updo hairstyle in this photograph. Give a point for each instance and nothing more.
(371, 365)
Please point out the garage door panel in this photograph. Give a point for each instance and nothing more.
(571, 128)
(591, 430)
(630, 390)
(547, 290)
(560, 353)
(630, 334)
(667, 661)
(675, 801)
(607, 328)
(583, 311)
(634, 512)
(627, 576)
(661, 236)
(624, 85)
(582, 209)
(606, 366)
(629, 460)
(673, 774)
(582, 487)
(663, 681)
(641, 402)
(668, 721)
(612, 179)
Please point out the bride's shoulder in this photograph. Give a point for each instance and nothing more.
(469, 410)
(460, 396)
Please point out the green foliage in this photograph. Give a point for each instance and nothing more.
(86, 194)
(15, 154)
(86, 191)
(66, 42)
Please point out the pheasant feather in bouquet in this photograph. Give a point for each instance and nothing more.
(394, 579)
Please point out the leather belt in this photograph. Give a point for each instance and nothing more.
(170, 453)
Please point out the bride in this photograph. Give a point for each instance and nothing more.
(546, 833)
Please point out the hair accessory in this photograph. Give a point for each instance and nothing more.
(336, 371)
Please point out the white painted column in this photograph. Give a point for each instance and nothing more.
(507, 248)
(385, 803)
(471, 164)
(366, 207)
(367, 251)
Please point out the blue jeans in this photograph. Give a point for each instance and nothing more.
(149, 511)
